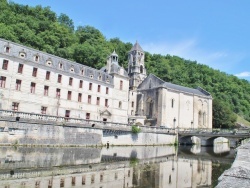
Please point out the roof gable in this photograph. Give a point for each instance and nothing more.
(154, 82)
(151, 81)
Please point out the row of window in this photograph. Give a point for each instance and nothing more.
(20, 67)
(73, 181)
(59, 77)
(15, 107)
(18, 82)
(46, 88)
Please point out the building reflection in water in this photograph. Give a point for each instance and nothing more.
(156, 167)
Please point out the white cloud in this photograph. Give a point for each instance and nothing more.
(191, 49)
(243, 74)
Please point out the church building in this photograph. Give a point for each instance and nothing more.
(35, 82)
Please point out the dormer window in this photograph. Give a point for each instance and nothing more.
(82, 72)
(99, 77)
(49, 62)
(60, 65)
(36, 58)
(91, 76)
(72, 69)
(7, 49)
(22, 54)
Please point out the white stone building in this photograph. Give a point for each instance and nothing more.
(36, 82)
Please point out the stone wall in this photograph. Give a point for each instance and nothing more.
(20, 133)
(37, 134)
(140, 139)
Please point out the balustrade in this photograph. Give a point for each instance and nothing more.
(42, 118)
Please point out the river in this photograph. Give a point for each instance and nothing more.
(113, 167)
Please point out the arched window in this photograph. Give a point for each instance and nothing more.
(172, 103)
(188, 104)
(7, 49)
(141, 69)
(204, 118)
(36, 58)
(120, 104)
(200, 118)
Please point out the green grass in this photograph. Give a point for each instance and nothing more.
(241, 120)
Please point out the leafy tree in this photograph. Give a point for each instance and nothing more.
(63, 19)
(223, 117)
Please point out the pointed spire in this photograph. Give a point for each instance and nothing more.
(114, 53)
(137, 47)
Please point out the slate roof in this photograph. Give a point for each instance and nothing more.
(157, 83)
(137, 47)
(198, 91)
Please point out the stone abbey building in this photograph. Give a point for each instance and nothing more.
(36, 82)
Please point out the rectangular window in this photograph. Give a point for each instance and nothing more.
(15, 106)
(98, 101)
(43, 110)
(132, 105)
(18, 85)
(73, 181)
(99, 88)
(5, 64)
(32, 87)
(46, 90)
(101, 177)
(80, 84)
(87, 115)
(59, 78)
(70, 81)
(83, 180)
(62, 182)
(89, 99)
(69, 95)
(34, 73)
(121, 84)
(20, 68)
(90, 86)
(79, 97)
(92, 178)
(67, 113)
(107, 90)
(58, 93)
(47, 75)
(2, 81)
(106, 102)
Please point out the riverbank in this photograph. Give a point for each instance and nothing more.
(239, 174)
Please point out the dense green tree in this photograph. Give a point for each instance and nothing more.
(223, 117)
(65, 20)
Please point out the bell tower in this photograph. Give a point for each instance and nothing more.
(136, 67)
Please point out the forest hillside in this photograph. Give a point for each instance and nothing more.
(40, 28)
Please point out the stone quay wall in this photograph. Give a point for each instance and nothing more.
(25, 133)
(239, 174)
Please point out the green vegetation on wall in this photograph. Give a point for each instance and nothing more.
(40, 28)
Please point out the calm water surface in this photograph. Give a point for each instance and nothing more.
(113, 167)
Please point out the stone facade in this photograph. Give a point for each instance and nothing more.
(36, 82)
(173, 106)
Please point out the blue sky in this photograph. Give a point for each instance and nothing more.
(215, 33)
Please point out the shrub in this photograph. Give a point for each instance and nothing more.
(135, 129)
